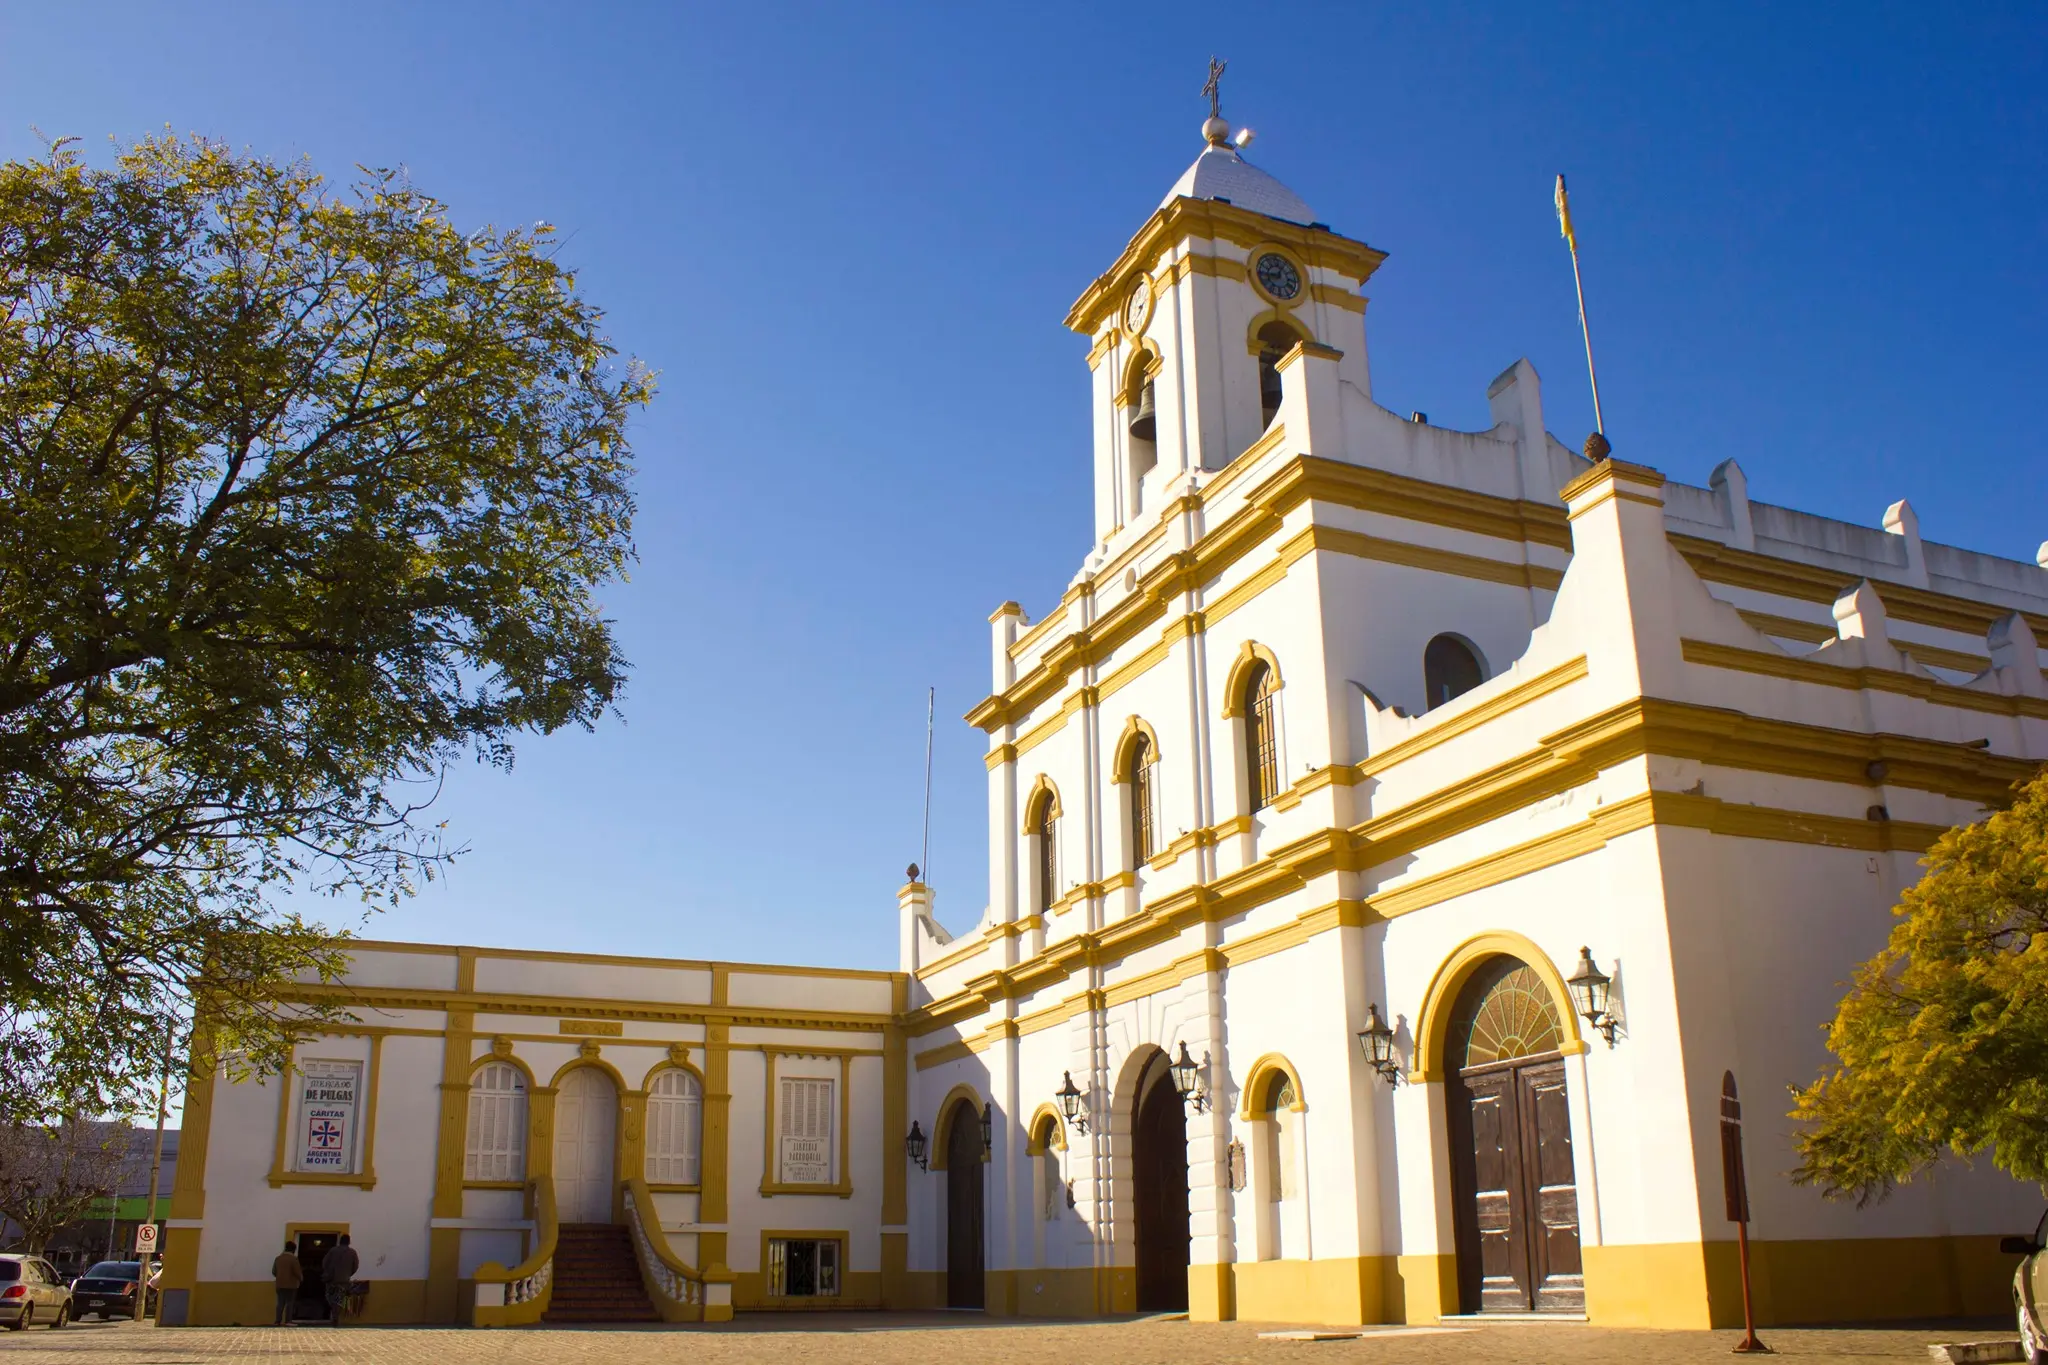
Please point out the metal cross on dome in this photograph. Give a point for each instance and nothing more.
(1214, 89)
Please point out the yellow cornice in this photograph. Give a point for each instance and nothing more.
(1183, 218)
(1493, 708)
(346, 994)
(1561, 760)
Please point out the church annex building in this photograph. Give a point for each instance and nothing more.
(1397, 835)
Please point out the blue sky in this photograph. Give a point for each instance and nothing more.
(846, 237)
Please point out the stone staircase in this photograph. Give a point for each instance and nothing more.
(596, 1277)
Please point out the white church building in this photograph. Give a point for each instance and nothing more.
(1397, 837)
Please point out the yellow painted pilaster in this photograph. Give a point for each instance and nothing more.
(895, 1124)
(443, 1300)
(188, 1187)
(712, 1201)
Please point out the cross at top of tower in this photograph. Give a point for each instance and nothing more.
(1214, 89)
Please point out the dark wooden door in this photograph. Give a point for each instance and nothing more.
(965, 1284)
(1513, 1182)
(311, 1300)
(1160, 1184)
(1558, 1280)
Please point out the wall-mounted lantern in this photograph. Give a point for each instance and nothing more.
(915, 1145)
(1376, 1040)
(1187, 1079)
(1072, 1103)
(988, 1127)
(1589, 987)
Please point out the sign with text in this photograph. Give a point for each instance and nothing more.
(329, 1093)
(804, 1130)
(145, 1240)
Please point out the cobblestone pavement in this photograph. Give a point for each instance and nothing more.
(875, 1338)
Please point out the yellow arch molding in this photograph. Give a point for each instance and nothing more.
(1433, 1021)
(1041, 790)
(1267, 319)
(1133, 728)
(1249, 653)
(1255, 1086)
(961, 1097)
(1145, 362)
(1047, 1120)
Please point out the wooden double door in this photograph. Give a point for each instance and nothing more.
(1159, 1179)
(966, 1280)
(1514, 1184)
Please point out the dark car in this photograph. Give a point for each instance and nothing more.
(108, 1289)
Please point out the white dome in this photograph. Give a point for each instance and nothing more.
(1221, 173)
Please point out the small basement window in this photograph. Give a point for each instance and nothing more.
(803, 1267)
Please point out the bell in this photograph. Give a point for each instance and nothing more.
(1142, 424)
(1269, 389)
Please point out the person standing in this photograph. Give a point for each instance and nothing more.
(288, 1275)
(337, 1273)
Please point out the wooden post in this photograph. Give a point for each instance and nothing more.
(1735, 1185)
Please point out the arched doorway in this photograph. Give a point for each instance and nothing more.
(1515, 1200)
(586, 1105)
(966, 1286)
(1159, 1177)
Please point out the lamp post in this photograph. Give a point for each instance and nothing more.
(1590, 987)
(1187, 1077)
(1376, 1041)
(1070, 1098)
(915, 1145)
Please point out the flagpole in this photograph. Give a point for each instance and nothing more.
(1564, 225)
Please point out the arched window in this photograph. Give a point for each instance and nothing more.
(1139, 775)
(675, 1124)
(495, 1148)
(1450, 668)
(1283, 1230)
(1261, 736)
(1052, 1190)
(1046, 833)
(1276, 339)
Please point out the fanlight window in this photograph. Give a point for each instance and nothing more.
(675, 1125)
(495, 1148)
(1450, 668)
(1046, 828)
(1140, 778)
(1261, 737)
(1506, 1013)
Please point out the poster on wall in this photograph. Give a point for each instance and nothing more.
(805, 1132)
(328, 1097)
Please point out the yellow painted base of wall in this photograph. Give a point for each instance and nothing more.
(857, 1289)
(253, 1303)
(1341, 1291)
(1868, 1279)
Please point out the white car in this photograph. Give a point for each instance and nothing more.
(31, 1291)
(2029, 1288)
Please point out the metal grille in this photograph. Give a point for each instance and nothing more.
(1262, 743)
(1141, 801)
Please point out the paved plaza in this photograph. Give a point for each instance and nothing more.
(874, 1338)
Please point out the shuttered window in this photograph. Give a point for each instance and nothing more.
(1261, 737)
(675, 1109)
(495, 1148)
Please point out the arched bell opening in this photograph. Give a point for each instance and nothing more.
(1275, 340)
(1513, 1184)
(1141, 428)
(1451, 667)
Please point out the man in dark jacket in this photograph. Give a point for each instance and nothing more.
(288, 1275)
(337, 1272)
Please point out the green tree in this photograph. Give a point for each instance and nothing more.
(1942, 1041)
(50, 1177)
(304, 494)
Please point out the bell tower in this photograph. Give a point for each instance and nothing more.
(1230, 272)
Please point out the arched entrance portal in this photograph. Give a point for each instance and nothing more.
(1516, 1203)
(1159, 1172)
(585, 1106)
(965, 1283)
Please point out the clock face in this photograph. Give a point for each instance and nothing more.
(1278, 277)
(1136, 308)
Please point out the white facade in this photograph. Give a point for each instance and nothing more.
(1708, 740)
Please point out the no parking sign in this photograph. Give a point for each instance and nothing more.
(145, 1239)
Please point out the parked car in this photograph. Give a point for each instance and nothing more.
(108, 1290)
(31, 1291)
(2029, 1288)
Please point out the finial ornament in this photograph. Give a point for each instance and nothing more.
(1214, 89)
